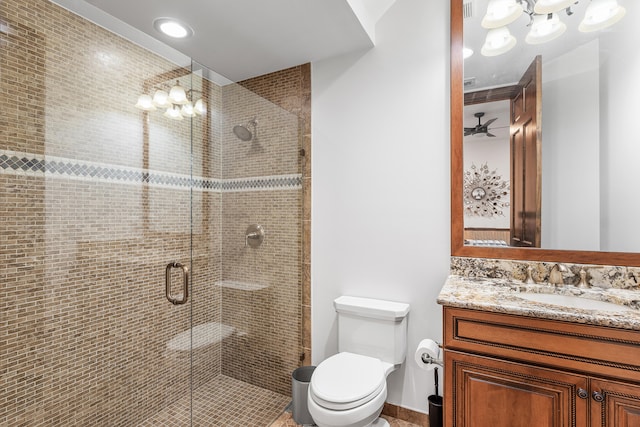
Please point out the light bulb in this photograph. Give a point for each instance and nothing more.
(172, 28)
(466, 52)
(187, 110)
(173, 113)
(498, 41)
(161, 99)
(145, 103)
(501, 13)
(544, 7)
(200, 107)
(545, 29)
(177, 95)
(601, 14)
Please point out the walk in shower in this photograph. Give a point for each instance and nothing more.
(112, 215)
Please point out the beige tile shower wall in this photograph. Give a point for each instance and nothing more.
(274, 148)
(266, 348)
(22, 307)
(87, 330)
(205, 225)
(206, 297)
(268, 317)
(290, 89)
(85, 326)
(215, 131)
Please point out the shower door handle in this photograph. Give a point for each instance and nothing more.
(185, 283)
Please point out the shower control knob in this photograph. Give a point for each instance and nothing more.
(254, 236)
(582, 393)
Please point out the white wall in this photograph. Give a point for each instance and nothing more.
(571, 150)
(380, 159)
(620, 147)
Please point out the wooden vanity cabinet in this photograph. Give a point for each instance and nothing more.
(489, 392)
(620, 406)
(504, 370)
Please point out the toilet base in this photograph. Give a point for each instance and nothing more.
(380, 422)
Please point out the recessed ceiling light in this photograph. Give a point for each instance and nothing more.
(172, 28)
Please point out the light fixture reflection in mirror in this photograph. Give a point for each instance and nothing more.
(543, 7)
(498, 41)
(501, 13)
(545, 28)
(544, 20)
(601, 14)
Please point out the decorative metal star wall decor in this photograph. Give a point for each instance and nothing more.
(485, 192)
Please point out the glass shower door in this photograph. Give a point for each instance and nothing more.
(95, 202)
(168, 137)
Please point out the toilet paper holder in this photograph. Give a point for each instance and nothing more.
(428, 354)
(427, 359)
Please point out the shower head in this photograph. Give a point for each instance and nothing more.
(243, 132)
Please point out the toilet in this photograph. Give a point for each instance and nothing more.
(349, 388)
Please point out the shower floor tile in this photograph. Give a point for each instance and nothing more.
(223, 402)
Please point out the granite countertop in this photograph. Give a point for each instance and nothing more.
(502, 296)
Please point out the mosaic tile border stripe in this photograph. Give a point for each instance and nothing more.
(16, 163)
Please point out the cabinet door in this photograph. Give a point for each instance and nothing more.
(614, 404)
(486, 392)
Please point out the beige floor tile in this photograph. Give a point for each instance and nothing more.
(285, 420)
(223, 402)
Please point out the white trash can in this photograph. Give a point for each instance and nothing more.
(300, 379)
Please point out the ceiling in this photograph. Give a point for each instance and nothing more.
(240, 39)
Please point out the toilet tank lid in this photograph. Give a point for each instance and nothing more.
(369, 307)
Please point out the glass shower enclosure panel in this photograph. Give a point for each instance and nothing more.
(150, 232)
(247, 249)
(95, 203)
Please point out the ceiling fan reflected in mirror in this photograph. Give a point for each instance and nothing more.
(480, 129)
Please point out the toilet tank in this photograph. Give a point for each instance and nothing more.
(372, 327)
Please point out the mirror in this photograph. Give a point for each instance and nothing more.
(586, 201)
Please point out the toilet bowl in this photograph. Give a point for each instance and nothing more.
(349, 389)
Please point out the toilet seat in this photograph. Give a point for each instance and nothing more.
(347, 380)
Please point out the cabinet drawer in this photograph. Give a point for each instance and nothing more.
(577, 347)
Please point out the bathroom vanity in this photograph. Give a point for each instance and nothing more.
(511, 360)
(521, 354)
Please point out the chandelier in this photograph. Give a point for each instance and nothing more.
(178, 103)
(544, 20)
